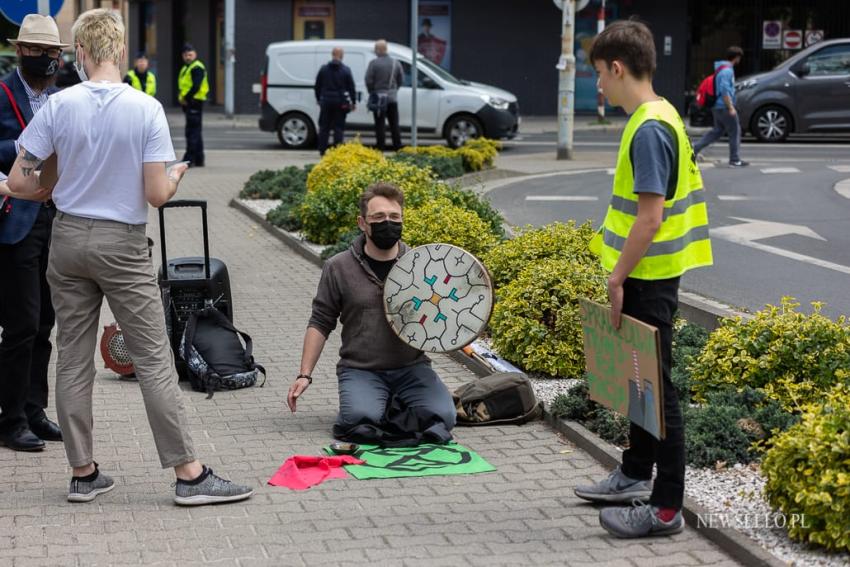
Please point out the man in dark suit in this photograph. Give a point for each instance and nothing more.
(26, 312)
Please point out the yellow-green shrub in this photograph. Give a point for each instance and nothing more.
(792, 356)
(807, 470)
(559, 240)
(341, 160)
(438, 220)
(330, 210)
(477, 153)
(537, 324)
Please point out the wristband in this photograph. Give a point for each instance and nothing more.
(307, 376)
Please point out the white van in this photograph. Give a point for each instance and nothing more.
(447, 107)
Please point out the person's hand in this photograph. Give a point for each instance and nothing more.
(181, 101)
(733, 112)
(176, 171)
(295, 390)
(41, 195)
(615, 296)
(353, 107)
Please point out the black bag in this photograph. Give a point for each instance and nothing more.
(378, 102)
(215, 357)
(500, 398)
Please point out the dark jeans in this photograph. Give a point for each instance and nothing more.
(655, 302)
(723, 123)
(194, 111)
(331, 117)
(26, 316)
(391, 114)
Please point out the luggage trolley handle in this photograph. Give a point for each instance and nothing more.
(184, 203)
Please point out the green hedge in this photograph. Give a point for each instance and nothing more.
(444, 167)
(268, 184)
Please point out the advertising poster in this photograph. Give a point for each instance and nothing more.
(313, 19)
(624, 366)
(435, 31)
(585, 30)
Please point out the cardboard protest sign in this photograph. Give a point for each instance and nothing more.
(624, 366)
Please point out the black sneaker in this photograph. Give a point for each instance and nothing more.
(87, 488)
(209, 488)
(739, 163)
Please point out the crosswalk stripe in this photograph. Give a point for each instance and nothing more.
(840, 168)
(780, 170)
(732, 198)
(561, 198)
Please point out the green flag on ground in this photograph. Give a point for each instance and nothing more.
(423, 460)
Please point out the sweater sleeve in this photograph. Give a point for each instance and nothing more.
(370, 76)
(327, 305)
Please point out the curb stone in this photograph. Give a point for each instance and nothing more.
(732, 542)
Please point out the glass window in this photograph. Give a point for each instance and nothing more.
(832, 60)
(422, 80)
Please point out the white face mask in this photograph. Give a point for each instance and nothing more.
(78, 67)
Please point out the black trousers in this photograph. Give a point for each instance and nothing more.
(391, 114)
(194, 111)
(26, 316)
(655, 302)
(331, 118)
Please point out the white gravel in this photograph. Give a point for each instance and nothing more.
(735, 495)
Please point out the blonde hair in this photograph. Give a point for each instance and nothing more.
(100, 33)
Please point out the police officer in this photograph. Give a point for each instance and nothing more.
(140, 77)
(193, 88)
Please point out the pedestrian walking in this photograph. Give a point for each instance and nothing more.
(336, 96)
(140, 77)
(110, 142)
(724, 113)
(383, 79)
(193, 87)
(26, 312)
(655, 229)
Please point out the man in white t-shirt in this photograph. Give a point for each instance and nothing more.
(102, 147)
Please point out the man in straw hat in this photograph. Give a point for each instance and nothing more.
(26, 312)
(103, 146)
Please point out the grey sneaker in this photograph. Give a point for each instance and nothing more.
(639, 520)
(84, 490)
(616, 489)
(209, 489)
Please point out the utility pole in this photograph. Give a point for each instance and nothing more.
(229, 55)
(566, 80)
(600, 98)
(414, 71)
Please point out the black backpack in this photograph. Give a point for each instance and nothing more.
(215, 356)
(500, 398)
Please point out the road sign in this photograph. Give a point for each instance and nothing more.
(792, 39)
(813, 37)
(771, 34)
(580, 4)
(16, 10)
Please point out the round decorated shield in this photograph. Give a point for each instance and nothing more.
(438, 297)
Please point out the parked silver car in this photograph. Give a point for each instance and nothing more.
(809, 92)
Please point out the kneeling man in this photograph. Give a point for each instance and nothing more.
(375, 366)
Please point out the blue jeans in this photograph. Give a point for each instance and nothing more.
(723, 124)
(364, 395)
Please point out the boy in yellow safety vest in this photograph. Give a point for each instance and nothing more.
(655, 229)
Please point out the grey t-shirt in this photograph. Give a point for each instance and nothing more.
(654, 155)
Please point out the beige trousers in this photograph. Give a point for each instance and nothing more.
(90, 259)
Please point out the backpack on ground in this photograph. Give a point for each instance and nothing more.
(500, 398)
(707, 90)
(215, 356)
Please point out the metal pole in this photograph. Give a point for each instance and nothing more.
(414, 73)
(600, 98)
(44, 7)
(566, 82)
(229, 55)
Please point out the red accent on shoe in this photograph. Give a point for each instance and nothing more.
(666, 514)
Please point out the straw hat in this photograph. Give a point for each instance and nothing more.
(39, 30)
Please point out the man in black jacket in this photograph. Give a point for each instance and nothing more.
(336, 96)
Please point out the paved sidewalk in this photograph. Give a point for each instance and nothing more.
(524, 513)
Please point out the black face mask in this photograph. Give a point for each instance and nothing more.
(41, 66)
(385, 234)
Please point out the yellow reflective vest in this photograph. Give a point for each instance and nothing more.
(136, 83)
(184, 81)
(682, 242)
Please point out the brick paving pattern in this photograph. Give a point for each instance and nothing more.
(522, 514)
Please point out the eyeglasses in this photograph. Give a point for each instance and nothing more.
(380, 217)
(37, 51)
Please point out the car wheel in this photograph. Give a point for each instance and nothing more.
(771, 124)
(462, 128)
(296, 131)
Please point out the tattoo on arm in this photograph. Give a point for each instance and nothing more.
(29, 162)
